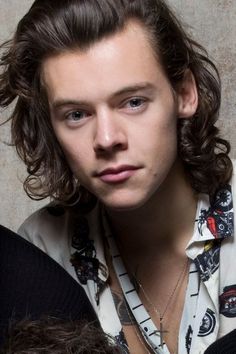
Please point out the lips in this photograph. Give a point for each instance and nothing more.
(118, 174)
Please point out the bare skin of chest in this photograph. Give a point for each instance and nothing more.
(170, 309)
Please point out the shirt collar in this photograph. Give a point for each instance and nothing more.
(214, 220)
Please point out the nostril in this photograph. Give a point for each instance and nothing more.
(109, 148)
(110, 143)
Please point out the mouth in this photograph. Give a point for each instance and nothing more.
(117, 174)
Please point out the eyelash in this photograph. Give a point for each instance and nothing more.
(69, 116)
(127, 104)
(140, 107)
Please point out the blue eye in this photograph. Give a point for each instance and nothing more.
(77, 115)
(135, 105)
(136, 102)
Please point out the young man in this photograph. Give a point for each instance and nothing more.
(115, 120)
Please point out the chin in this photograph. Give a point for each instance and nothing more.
(119, 208)
(123, 204)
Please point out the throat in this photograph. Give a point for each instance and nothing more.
(167, 218)
(160, 296)
(168, 229)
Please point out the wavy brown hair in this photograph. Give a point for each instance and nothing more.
(53, 26)
(50, 335)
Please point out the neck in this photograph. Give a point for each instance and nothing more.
(152, 241)
(165, 222)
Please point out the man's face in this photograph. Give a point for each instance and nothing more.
(114, 114)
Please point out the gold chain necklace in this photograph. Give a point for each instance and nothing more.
(160, 314)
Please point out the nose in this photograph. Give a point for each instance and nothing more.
(110, 135)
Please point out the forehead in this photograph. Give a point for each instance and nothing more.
(110, 63)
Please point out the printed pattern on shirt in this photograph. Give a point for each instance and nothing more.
(84, 260)
(219, 217)
(228, 301)
(214, 223)
(208, 323)
(207, 263)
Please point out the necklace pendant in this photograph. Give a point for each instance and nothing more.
(161, 332)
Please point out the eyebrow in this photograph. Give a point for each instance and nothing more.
(129, 89)
(138, 87)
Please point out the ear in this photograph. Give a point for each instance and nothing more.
(187, 96)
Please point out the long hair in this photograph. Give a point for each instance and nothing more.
(53, 26)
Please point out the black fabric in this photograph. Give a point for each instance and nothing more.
(32, 284)
(224, 345)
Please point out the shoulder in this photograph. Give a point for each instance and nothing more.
(52, 228)
(47, 229)
(50, 213)
(47, 220)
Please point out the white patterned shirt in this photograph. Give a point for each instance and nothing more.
(74, 240)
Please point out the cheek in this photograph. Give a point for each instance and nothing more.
(77, 158)
(162, 134)
(161, 147)
(75, 150)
